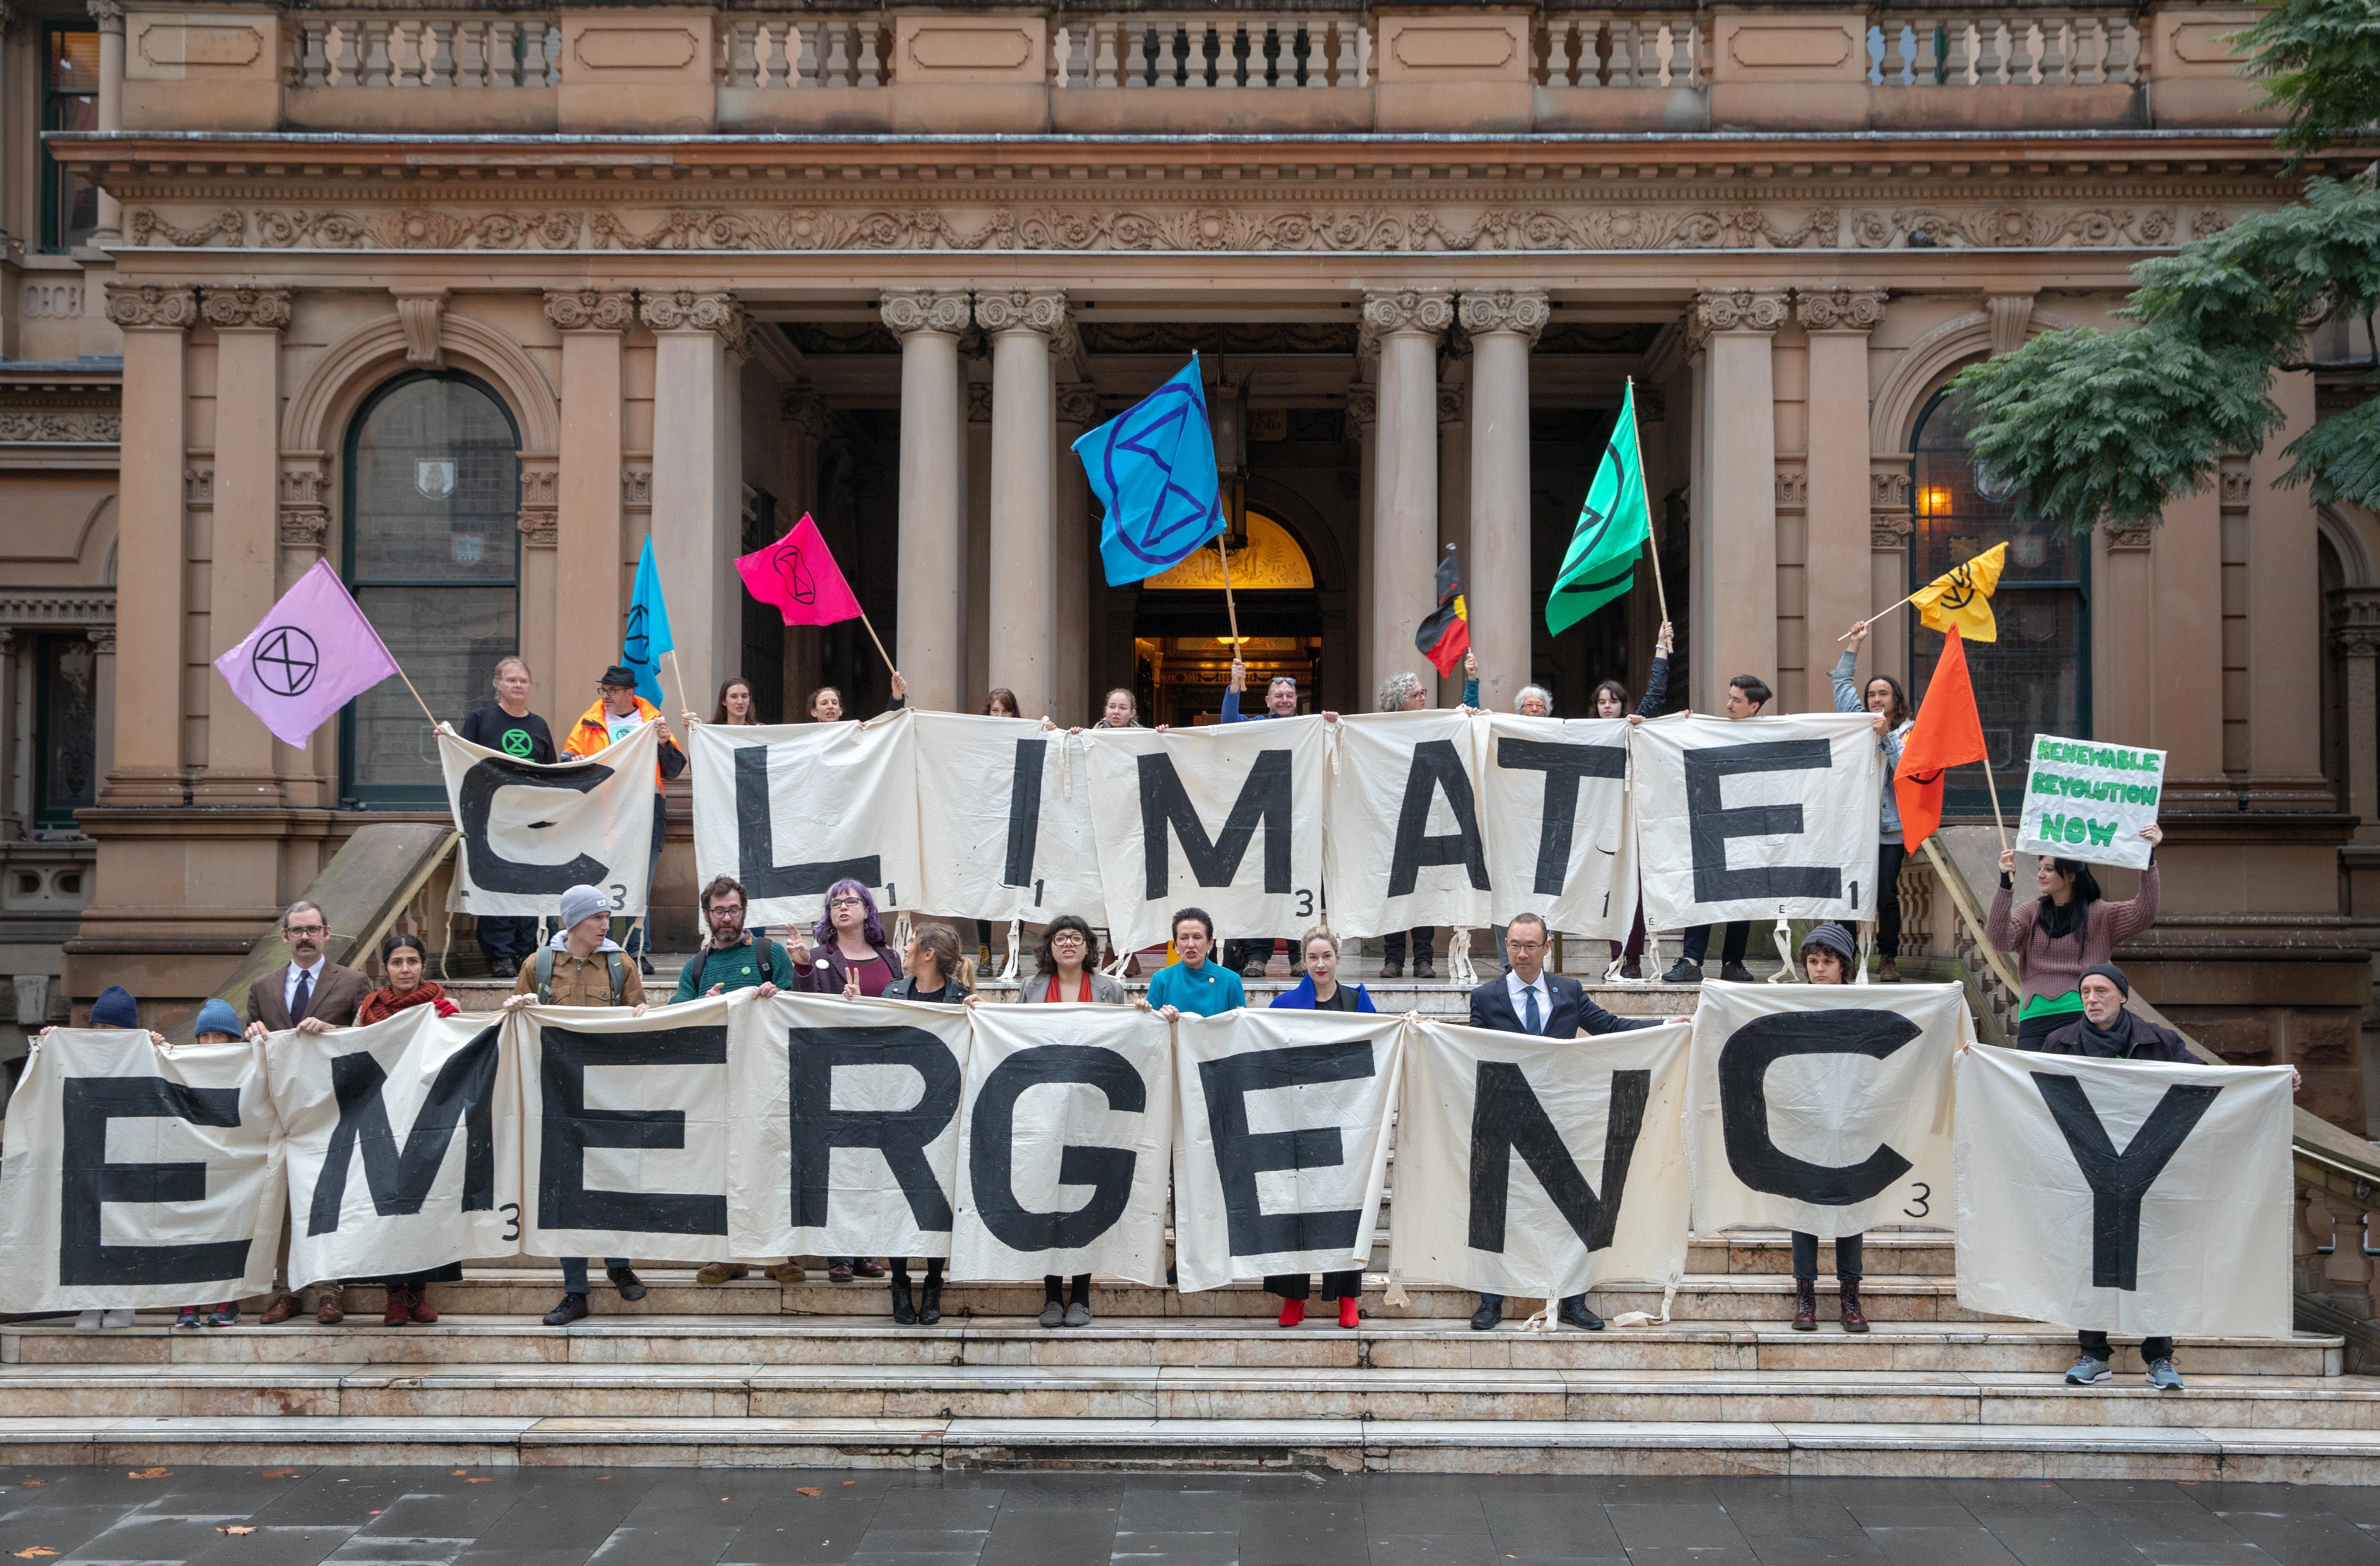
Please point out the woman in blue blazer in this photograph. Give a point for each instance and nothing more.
(1321, 990)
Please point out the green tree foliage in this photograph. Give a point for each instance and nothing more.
(2320, 59)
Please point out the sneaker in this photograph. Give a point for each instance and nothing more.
(625, 1279)
(120, 1317)
(1053, 1314)
(2089, 1371)
(2164, 1377)
(1735, 973)
(1253, 970)
(188, 1317)
(572, 1308)
(720, 1273)
(1079, 1314)
(224, 1315)
(1683, 972)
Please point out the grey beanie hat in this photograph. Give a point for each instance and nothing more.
(583, 902)
(1835, 938)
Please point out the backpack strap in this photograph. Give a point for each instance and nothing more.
(767, 961)
(699, 959)
(619, 991)
(545, 976)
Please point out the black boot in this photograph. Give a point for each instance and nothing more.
(929, 1305)
(903, 1313)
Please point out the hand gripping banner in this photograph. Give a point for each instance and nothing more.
(532, 831)
(792, 810)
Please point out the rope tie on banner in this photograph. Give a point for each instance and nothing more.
(902, 930)
(1015, 943)
(1544, 1321)
(1783, 935)
(1392, 1293)
(1066, 767)
(1330, 745)
(1458, 958)
(1867, 948)
(1646, 1319)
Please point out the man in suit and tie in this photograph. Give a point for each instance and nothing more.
(1527, 999)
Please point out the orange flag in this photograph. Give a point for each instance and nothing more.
(1948, 733)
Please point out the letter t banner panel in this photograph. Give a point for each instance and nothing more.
(1553, 801)
(137, 1176)
(1762, 818)
(2127, 1196)
(1066, 1140)
(625, 1131)
(531, 832)
(790, 810)
(1403, 846)
(1542, 1167)
(1282, 1148)
(403, 1142)
(1824, 1107)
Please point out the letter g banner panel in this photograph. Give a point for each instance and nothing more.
(1823, 1107)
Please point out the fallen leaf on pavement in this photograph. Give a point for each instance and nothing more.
(36, 1549)
(480, 1481)
(149, 1472)
(239, 1528)
(281, 1473)
(806, 1489)
(37, 1481)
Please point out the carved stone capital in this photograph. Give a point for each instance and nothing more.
(103, 638)
(803, 406)
(1525, 311)
(684, 310)
(1451, 405)
(1890, 532)
(1078, 406)
(1022, 309)
(1363, 403)
(304, 526)
(1410, 310)
(923, 309)
(422, 313)
(2355, 613)
(591, 310)
(2130, 538)
(107, 13)
(152, 307)
(264, 307)
(1793, 488)
(1839, 309)
(540, 502)
(1740, 309)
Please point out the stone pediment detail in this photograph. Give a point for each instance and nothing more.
(1159, 227)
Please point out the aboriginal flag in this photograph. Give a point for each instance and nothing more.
(1445, 634)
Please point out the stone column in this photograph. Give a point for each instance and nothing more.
(1504, 325)
(152, 542)
(699, 345)
(1364, 411)
(1405, 486)
(1890, 525)
(109, 14)
(1022, 598)
(1735, 541)
(1078, 413)
(932, 632)
(588, 541)
(2355, 613)
(1836, 559)
(247, 533)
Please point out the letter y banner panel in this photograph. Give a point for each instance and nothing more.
(1822, 1107)
(1228, 820)
(1066, 1145)
(1404, 845)
(789, 810)
(2126, 1196)
(1283, 1150)
(403, 1142)
(530, 831)
(1554, 805)
(1768, 819)
(137, 1176)
(1004, 818)
(1542, 1167)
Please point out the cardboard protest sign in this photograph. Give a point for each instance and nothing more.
(2085, 800)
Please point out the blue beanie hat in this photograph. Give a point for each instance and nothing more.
(1832, 938)
(115, 1008)
(216, 1017)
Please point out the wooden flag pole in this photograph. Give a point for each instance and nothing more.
(417, 694)
(1993, 784)
(1882, 612)
(684, 705)
(1222, 547)
(876, 640)
(1652, 547)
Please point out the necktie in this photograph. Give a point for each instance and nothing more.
(306, 993)
(1531, 1018)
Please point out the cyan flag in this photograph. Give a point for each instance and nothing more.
(1153, 468)
(649, 628)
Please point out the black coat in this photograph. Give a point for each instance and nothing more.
(2150, 1042)
(828, 969)
(1492, 1006)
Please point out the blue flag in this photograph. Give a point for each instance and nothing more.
(649, 628)
(1153, 468)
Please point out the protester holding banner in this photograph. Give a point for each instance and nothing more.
(1403, 692)
(1320, 991)
(404, 959)
(115, 1008)
(825, 705)
(1611, 697)
(732, 958)
(852, 947)
(1882, 695)
(1062, 972)
(618, 712)
(507, 726)
(1194, 984)
(2064, 931)
(938, 975)
(1746, 694)
(734, 708)
(1828, 954)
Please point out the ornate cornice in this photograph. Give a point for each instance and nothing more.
(1839, 309)
(78, 606)
(924, 309)
(591, 310)
(1022, 309)
(686, 309)
(1410, 310)
(1525, 311)
(61, 426)
(152, 307)
(265, 307)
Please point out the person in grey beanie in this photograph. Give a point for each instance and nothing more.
(1828, 955)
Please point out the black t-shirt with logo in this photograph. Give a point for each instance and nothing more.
(525, 738)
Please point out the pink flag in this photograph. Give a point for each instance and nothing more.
(311, 656)
(798, 577)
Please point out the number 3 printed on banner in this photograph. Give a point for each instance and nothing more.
(1924, 1201)
(1305, 903)
(511, 1216)
(619, 895)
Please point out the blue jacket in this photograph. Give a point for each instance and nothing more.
(1301, 997)
(1213, 989)
(1848, 699)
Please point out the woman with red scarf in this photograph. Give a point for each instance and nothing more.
(1063, 973)
(403, 958)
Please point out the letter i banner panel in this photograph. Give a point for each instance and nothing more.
(791, 809)
(1004, 822)
(403, 1143)
(1553, 804)
(1281, 1151)
(1542, 1167)
(1823, 1107)
(2126, 1197)
(137, 1176)
(532, 831)
(1066, 1145)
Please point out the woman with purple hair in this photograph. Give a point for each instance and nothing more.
(850, 945)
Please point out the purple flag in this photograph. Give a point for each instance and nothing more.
(313, 654)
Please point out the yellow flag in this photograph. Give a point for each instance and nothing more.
(1962, 597)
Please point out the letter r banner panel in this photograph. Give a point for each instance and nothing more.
(1823, 1107)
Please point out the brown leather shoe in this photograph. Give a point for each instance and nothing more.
(1888, 972)
(866, 1267)
(399, 1310)
(326, 1305)
(283, 1306)
(423, 1311)
(1853, 1321)
(789, 1272)
(1805, 1305)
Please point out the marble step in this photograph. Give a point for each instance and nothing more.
(1425, 1343)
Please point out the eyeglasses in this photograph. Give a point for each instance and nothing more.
(1523, 947)
(1066, 938)
(846, 903)
(305, 932)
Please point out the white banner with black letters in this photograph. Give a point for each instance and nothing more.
(532, 831)
(2126, 1197)
(1004, 822)
(789, 810)
(1401, 842)
(1761, 818)
(1066, 1139)
(846, 1136)
(1226, 818)
(1824, 1107)
(1282, 1146)
(403, 1145)
(1542, 1167)
(1553, 803)
(137, 1176)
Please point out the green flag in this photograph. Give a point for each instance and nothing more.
(1613, 526)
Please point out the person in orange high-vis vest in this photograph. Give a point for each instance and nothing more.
(618, 712)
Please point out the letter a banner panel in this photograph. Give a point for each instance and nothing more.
(1823, 1107)
(532, 831)
(1404, 845)
(1065, 1139)
(1542, 1167)
(1283, 1151)
(2126, 1196)
(137, 1176)
(403, 1145)
(792, 810)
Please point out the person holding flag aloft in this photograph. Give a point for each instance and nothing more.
(1881, 697)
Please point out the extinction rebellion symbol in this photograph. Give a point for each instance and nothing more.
(285, 660)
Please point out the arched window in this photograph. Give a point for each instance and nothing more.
(433, 553)
(2037, 677)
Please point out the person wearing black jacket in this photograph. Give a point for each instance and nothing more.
(1527, 999)
(507, 727)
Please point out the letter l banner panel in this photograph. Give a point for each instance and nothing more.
(791, 809)
(531, 832)
(1283, 1150)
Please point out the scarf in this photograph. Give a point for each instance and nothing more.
(1085, 994)
(2057, 920)
(384, 1003)
(2108, 1043)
